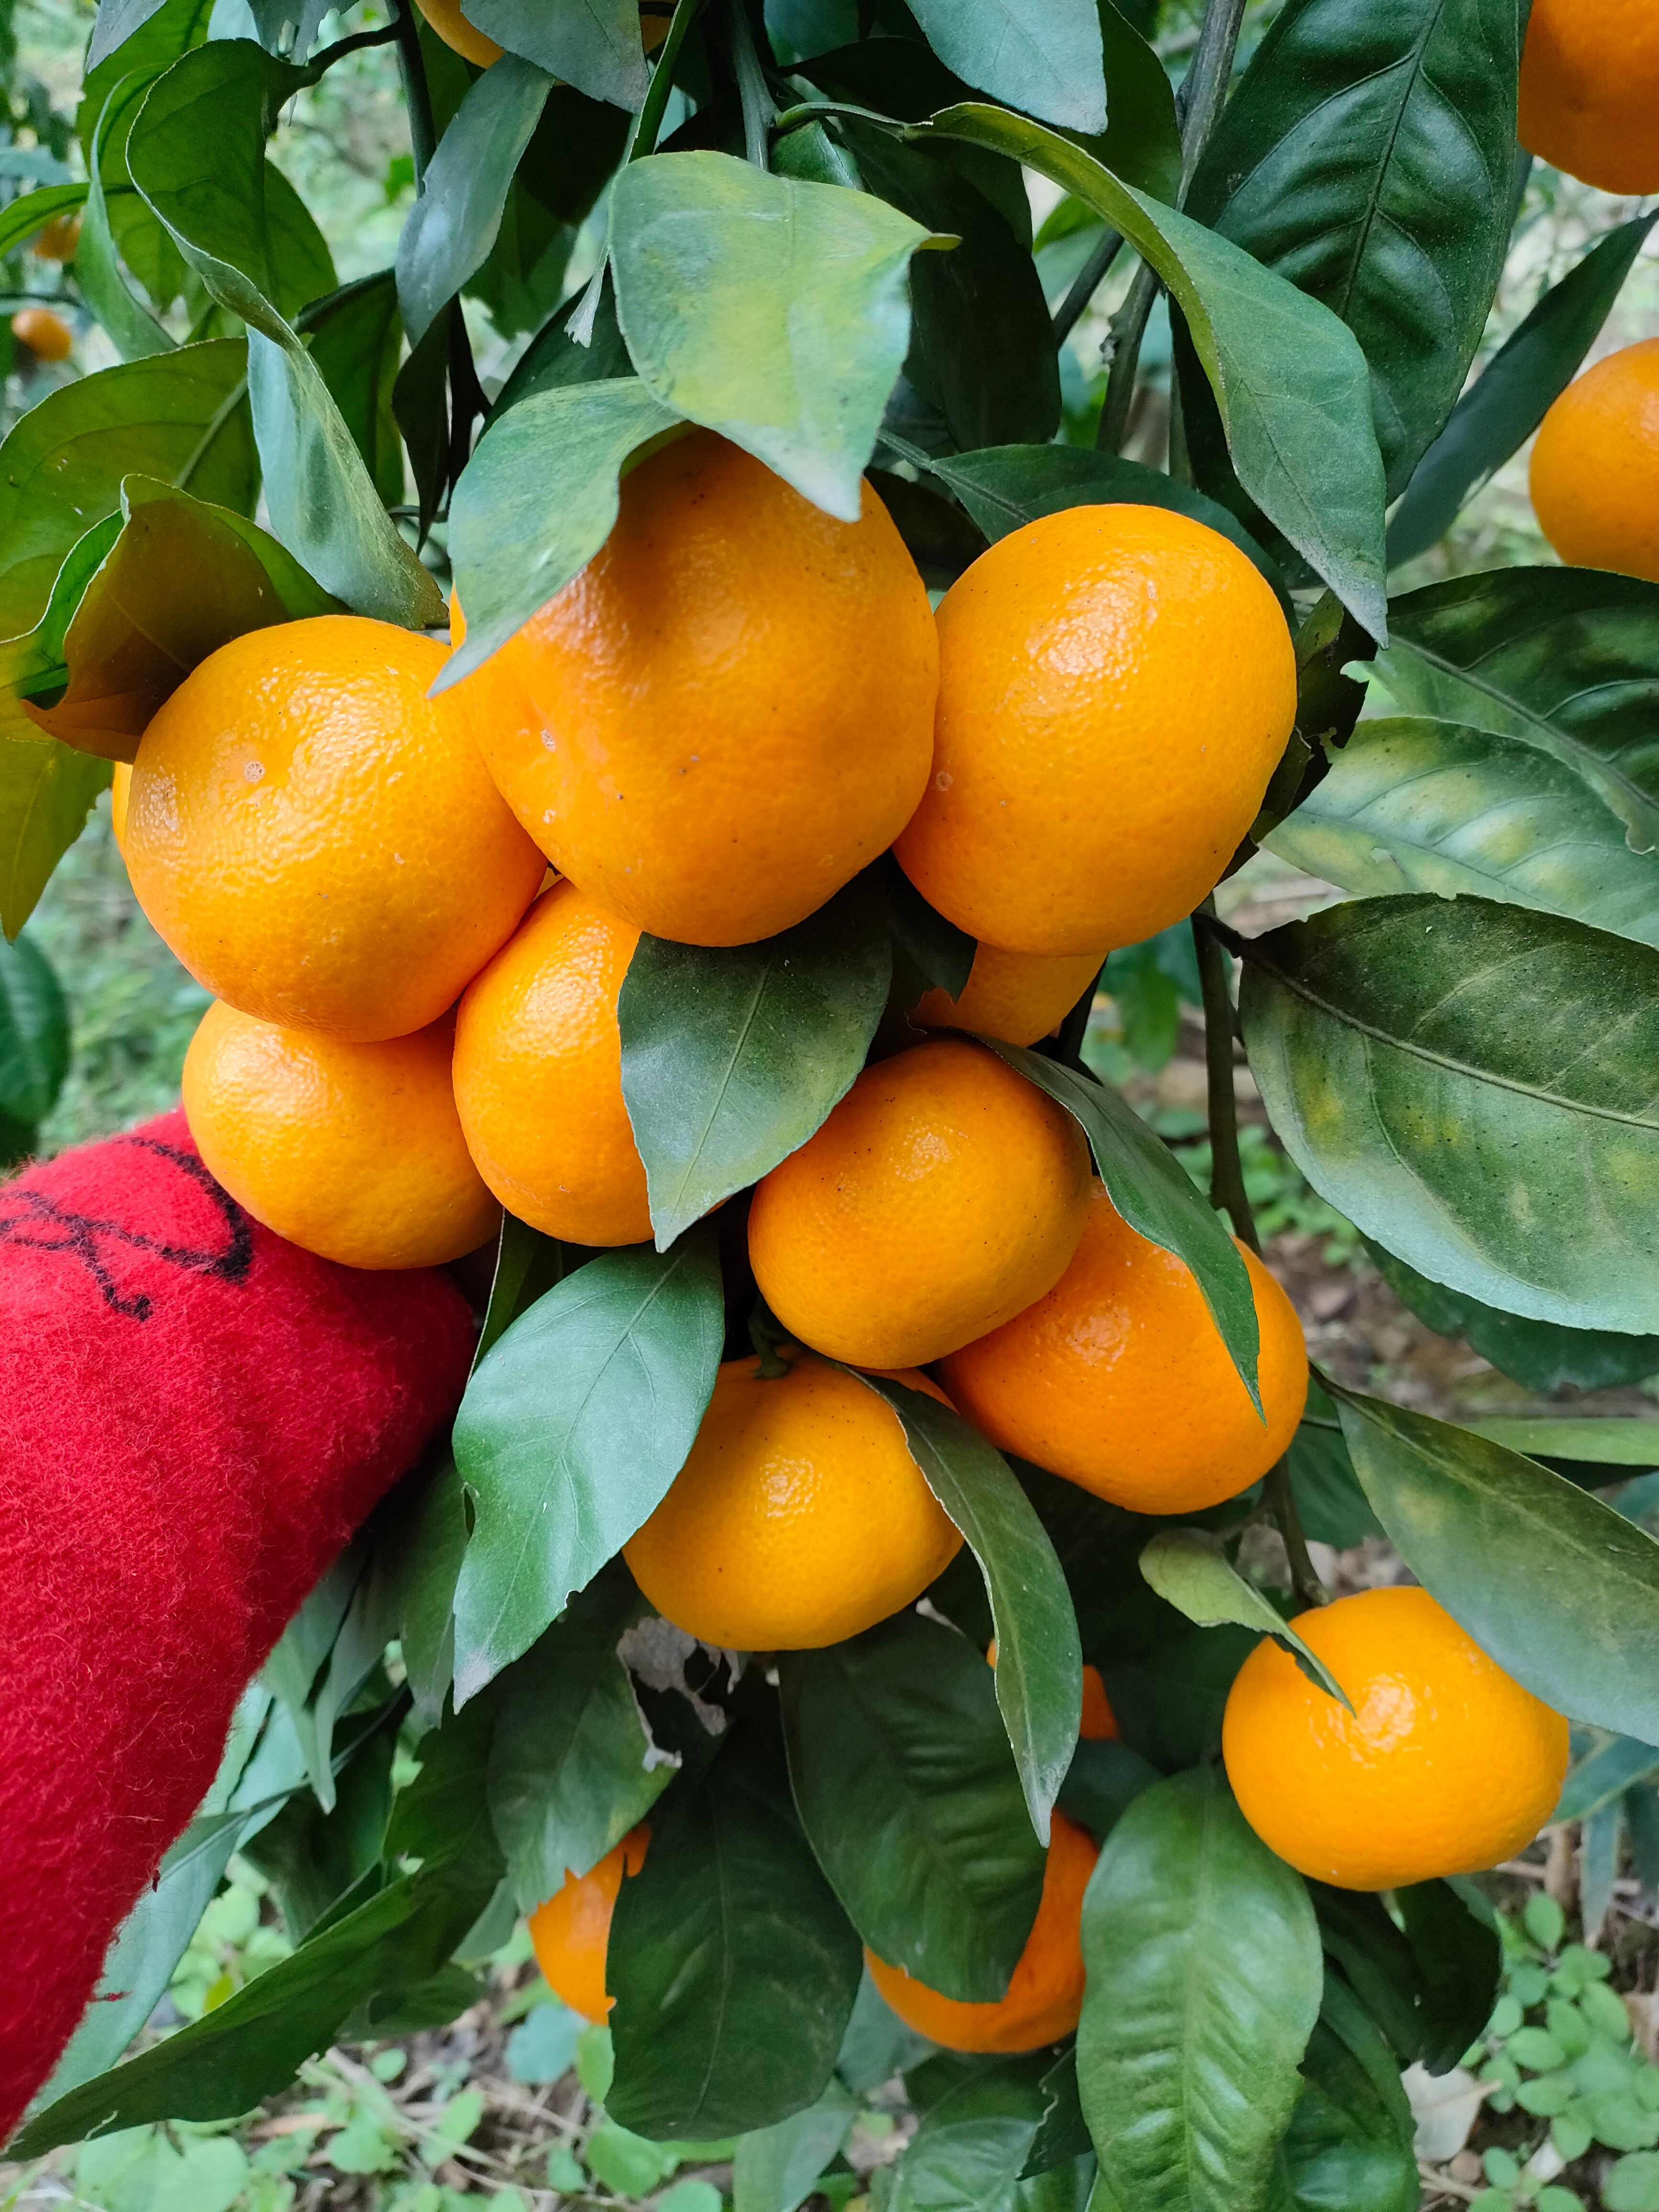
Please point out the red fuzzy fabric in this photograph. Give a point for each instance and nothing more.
(194, 1416)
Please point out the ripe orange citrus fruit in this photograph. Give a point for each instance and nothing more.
(445, 17)
(1446, 1764)
(1016, 996)
(1045, 1996)
(538, 1075)
(351, 1150)
(1116, 685)
(1589, 91)
(46, 335)
(120, 786)
(942, 1195)
(1595, 466)
(1099, 1723)
(799, 1517)
(57, 240)
(571, 1932)
(1119, 1381)
(729, 713)
(318, 841)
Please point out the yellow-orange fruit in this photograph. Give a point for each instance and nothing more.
(570, 1933)
(1016, 996)
(538, 1075)
(317, 841)
(1589, 91)
(1119, 1381)
(1045, 1996)
(57, 240)
(46, 335)
(728, 714)
(1116, 685)
(352, 1151)
(941, 1197)
(1446, 1764)
(120, 786)
(445, 17)
(1595, 466)
(799, 1517)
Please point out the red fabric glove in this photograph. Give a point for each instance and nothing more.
(194, 1417)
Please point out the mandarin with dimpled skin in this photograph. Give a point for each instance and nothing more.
(1016, 996)
(1117, 686)
(1595, 470)
(1446, 1764)
(1589, 91)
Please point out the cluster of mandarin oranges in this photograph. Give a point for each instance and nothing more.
(416, 909)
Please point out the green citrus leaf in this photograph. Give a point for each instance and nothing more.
(1352, 2131)
(1514, 392)
(1204, 1982)
(34, 1033)
(1189, 1571)
(1368, 159)
(774, 2169)
(731, 1058)
(594, 45)
(1561, 659)
(1602, 1774)
(971, 2150)
(1039, 1666)
(1044, 56)
(771, 311)
(902, 1774)
(570, 1432)
(1507, 1162)
(30, 212)
(1475, 1522)
(732, 1966)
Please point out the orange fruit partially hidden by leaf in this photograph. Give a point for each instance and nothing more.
(1016, 996)
(1099, 1723)
(1117, 686)
(538, 1075)
(120, 786)
(571, 1932)
(1589, 91)
(1446, 1764)
(942, 1195)
(351, 1150)
(1045, 1996)
(729, 713)
(57, 240)
(1119, 1381)
(445, 17)
(1595, 465)
(318, 841)
(799, 1517)
(46, 335)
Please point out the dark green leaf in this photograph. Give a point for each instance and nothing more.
(1303, 444)
(294, 1670)
(1476, 1523)
(1506, 1160)
(1508, 400)
(354, 337)
(595, 46)
(537, 501)
(180, 417)
(1600, 1852)
(1062, 2133)
(132, 330)
(983, 351)
(571, 1431)
(1204, 1983)
(453, 225)
(1157, 1197)
(1566, 660)
(731, 1058)
(1010, 485)
(1419, 805)
(46, 792)
(20, 219)
(117, 22)
(1454, 1941)
(1593, 1441)
(1539, 1353)
(1333, 1508)
(252, 2044)
(1605, 1772)
(1360, 1937)
(572, 1765)
(773, 2169)
(1103, 1782)
(197, 154)
(876, 2044)
(732, 1966)
(971, 2150)
(1039, 1667)
(443, 1815)
(1044, 59)
(1349, 2142)
(312, 1857)
(527, 1265)
(905, 1787)
(1367, 157)
(1168, 1696)
(1189, 1569)
(770, 311)
(1142, 143)
(553, 358)
(34, 1033)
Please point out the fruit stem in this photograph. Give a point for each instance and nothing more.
(1280, 1501)
(767, 1335)
(1227, 1189)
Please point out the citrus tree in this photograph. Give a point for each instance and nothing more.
(845, 1330)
